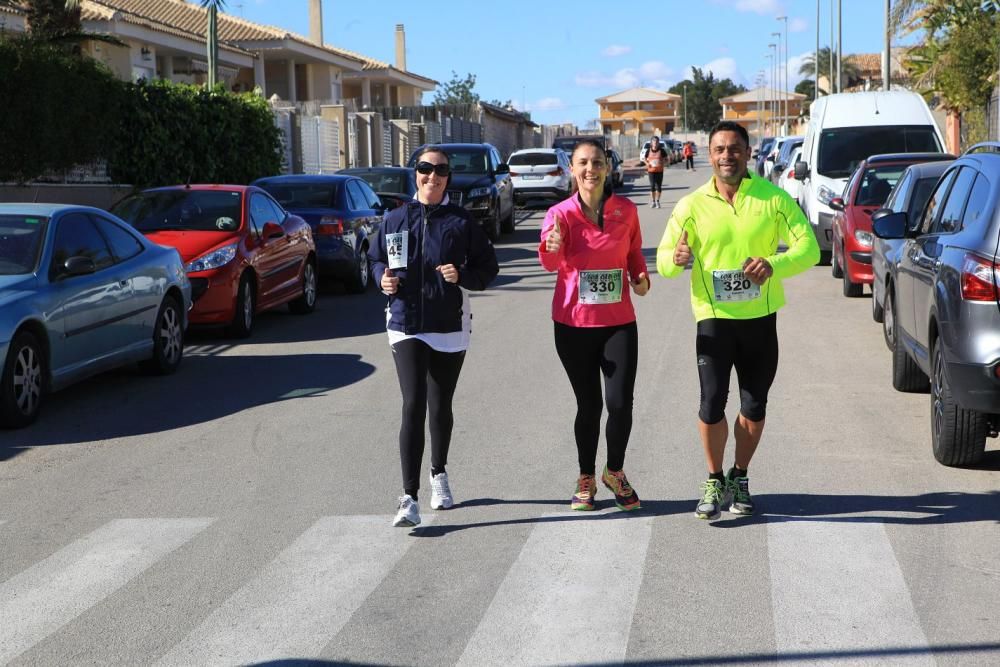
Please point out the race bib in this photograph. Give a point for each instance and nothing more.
(734, 286)
(654, 163)
(600, 287)
(396, 246)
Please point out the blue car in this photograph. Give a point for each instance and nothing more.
(342, 212)
(81, 293)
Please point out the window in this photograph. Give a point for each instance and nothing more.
(977, 212)
(372, 200)
(76, 236)
(261, 212)
(877, 183)
(900, 192)
(522, 159)
(182, 209)
(935, 200)
(292, 195)
(276, 210)
(355, 197)
(123, 244)
(842, 149)
(21, 239)
(951, 215)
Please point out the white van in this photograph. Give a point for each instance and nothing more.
(846, 128)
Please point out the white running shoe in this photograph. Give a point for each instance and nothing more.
(652, 204)
(408, 514)
(440, 492)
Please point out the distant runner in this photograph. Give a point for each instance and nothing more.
(656, 162)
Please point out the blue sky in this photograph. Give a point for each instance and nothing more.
(555, 58)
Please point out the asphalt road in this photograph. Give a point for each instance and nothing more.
(239, 511)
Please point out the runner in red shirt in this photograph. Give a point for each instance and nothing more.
(656, 161)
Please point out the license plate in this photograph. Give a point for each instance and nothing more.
(532, 177)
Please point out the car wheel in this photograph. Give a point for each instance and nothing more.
(306, 303)
(878, 313)
(243, 318)
(23, 382)
(358, 282)
(835, 269)
(168, 339)
(906, 375)
(851, 289)
(958, 436)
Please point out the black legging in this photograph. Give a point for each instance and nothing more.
(749, 345)
(587, 353)
(427, 379)
(655, 181)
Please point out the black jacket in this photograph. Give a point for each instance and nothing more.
(425, 302)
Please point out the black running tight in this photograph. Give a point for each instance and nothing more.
(587, 353)
(427, 380)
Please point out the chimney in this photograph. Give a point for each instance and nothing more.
(316, 21)
(400, 47)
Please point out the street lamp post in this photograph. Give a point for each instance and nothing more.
(685, 108)
(774, 90)
(816, 58)
(777, 75)
(785, 19)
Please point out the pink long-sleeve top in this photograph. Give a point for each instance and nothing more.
(588, 257)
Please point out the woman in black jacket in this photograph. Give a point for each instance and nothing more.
(425, 256)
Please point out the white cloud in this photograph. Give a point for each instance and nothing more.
(616, 50)
(797, 24)
(654, 74)
(655, 69)
(548, 104)
(721, 68)
(794, 62)
(759, 6)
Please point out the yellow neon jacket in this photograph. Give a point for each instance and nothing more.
(723, 235)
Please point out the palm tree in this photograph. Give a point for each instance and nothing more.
(58, 22)
(212, 38)
(849, 70)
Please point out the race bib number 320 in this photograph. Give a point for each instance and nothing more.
(600, 287)
(733, 286)
(396, 247)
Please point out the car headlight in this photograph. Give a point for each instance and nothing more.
(825, 194)
(479, 192)
(213, 260)
(863, 237)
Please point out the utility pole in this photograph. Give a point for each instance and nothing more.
(833, 46)
(886, 64)
(840, 46)
(777, 72)
(816, 58)
(685, 108)
(785, 94)
(772, 93)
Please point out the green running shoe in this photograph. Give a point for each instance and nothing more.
(739, 488)
(710, 506)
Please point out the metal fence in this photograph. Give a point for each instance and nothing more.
(993, 116)
(320, 145)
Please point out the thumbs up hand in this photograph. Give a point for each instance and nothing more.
(682, 253)
(641, 284)
(389, 282)
(554, 240)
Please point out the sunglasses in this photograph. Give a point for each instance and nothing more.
(426, 168)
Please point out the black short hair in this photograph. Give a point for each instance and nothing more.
(599, 145)
(730, 126)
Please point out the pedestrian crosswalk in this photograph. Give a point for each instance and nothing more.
(568, 596)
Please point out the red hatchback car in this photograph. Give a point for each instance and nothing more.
(242, 251)
(866, 191)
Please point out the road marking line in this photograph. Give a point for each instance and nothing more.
(48, 595)
(302, 599)
(569, 567)
(838, 586)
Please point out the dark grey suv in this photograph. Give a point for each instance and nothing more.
(944, 304)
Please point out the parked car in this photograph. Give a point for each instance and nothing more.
(783, 160)
(866, 191)
(760, 154)
(786, 181)
(910, 196)
(81, 293)
(342, 211)
(844, 129)
(616, 169)
(393, 185)
(481, 182)
(568, 143)
(540, 173)
(243, 252)
(944, 305)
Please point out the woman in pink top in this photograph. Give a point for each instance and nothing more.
(596, 246)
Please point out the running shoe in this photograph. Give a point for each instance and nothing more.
(652, 204)
(408, 513)
(440, 492)
(625, 496)
(586, 489)
(739, 489)
(713, 495)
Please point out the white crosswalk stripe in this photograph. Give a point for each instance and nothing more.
(302, 598)
(568, 567)
(837, 586)
(43, 598)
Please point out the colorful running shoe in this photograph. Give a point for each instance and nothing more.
(712, 495)
(739, 489)
(625, 496)
(586, 489)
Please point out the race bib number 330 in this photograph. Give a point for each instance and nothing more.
(600, 287)
(396, 248)
(733, 286)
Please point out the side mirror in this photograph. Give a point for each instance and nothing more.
(837, 204)
(272, 230)
(801, 170)
(503, 168)
(770, 158)
(79, 266)
(887, 224)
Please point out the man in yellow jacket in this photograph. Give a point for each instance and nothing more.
(729, 230)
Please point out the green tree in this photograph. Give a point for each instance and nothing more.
(849, 73)
(807, 87)
(212, 38)
(703, 94)
(457, 91)
(58, 22)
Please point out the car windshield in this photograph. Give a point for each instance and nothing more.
(397, 182)
(294, 196)
(467, 162)
(531, 159)
(20, 243)
(876, 184)
(182, 210)
(842, 149)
